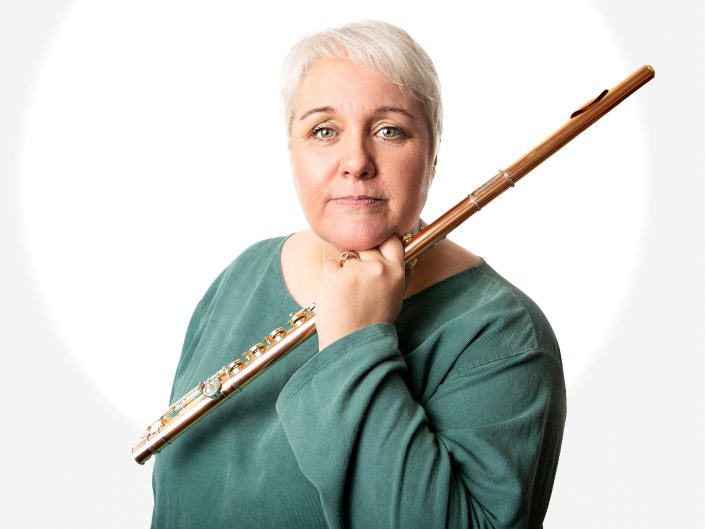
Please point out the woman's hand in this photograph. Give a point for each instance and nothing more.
(362, 292)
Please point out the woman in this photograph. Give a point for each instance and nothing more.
(432, 398)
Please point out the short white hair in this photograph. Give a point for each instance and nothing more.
(381, 47)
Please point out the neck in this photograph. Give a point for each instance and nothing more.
(304, 253)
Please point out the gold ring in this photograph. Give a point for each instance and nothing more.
(347, 256)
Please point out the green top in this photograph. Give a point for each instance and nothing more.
(452, 417)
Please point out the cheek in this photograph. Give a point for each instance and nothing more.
(311, 166)
(307, 179)
(422, 183)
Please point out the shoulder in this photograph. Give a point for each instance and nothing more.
(251, 267)
(505, 322)
(478, 317)
(251, 263)
(257, 253)
(254, 258)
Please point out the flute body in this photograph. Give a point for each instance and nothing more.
(230, 379)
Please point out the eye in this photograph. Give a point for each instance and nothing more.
(390, 133)
(323, 133)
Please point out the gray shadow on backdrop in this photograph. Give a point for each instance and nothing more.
(635, 419)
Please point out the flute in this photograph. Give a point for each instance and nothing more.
(230, 379)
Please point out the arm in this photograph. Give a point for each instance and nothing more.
(480, 452)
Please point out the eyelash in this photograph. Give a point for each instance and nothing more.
(319, 128)
(399, 133)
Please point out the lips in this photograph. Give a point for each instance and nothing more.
(357, 200)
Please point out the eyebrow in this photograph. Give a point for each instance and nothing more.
(400, 110)
(378, 110)
(315, 111)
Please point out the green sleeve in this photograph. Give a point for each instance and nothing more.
(472, 455)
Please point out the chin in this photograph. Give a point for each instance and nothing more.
(357, 239)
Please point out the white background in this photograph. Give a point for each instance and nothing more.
(142, 148)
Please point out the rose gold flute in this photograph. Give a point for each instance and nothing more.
(212, 392)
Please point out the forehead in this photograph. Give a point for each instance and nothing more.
(345, 85)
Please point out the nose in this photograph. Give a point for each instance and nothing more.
(356, 159)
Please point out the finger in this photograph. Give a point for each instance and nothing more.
(346, 257)
(392, 249)
(372, 254)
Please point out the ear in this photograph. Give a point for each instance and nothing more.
(433, 170)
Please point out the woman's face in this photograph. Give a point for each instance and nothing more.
(361, 155)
